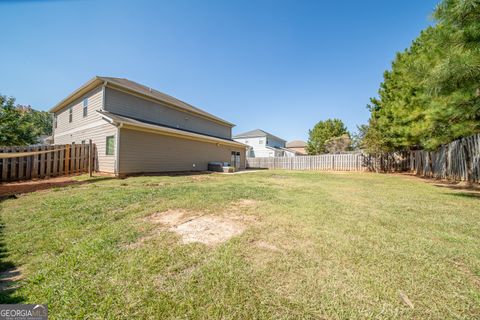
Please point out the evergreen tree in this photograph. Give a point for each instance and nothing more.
(431, 95)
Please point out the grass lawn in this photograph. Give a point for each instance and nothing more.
(315, 245)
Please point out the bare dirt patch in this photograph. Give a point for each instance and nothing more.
(9, 189)
(199, 227)
(34, 185)
(209, 230)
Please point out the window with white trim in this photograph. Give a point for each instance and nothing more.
(85, 107)
(110, 146)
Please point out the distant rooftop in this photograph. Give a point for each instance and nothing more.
(254, 134)
(296, 144)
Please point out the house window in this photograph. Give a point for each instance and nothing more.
(83, 141)
(260, 141)
(110, 146)
(55, 121)
(85, 107)
(70, 114)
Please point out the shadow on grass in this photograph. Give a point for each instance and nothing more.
(10, 190)
(461, 189)
(10, 275)
(473, 195)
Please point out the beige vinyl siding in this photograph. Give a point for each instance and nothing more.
(98, 134)
(151, 152)
(95, 98)
(129, 105)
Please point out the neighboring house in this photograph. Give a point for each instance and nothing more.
(138, 130)
(298, 146)
(291, 153)
(261, 144)
(44, 140)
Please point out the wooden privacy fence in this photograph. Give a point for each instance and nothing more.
(458, 160)
(335, 162)
(24, 163)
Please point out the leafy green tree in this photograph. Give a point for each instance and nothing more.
(41, 120)
(323, 131)
(339, 144)
(21, 125)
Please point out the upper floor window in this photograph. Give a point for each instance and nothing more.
(70, 114)
(85, 107)
(55, 121)
(260, 141)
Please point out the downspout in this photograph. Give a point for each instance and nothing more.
(117, 150)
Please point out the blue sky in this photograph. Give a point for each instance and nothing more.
(280, 66)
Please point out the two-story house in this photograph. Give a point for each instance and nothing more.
(262, 144)
(137, 129)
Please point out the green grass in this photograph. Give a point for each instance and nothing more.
(348, 244)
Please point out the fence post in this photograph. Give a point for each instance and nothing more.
(67, 159)
(90, 157)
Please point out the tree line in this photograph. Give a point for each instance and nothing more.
(22, 125)
(429, 97)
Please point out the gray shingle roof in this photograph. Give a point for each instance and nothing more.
(296, 144)
(255, 133)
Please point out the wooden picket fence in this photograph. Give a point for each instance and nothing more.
(335, 162)
(31, 162)
(458, 160)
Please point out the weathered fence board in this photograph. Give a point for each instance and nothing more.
(46, 161)
(458, 160)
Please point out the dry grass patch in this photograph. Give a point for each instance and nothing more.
(268, 246)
